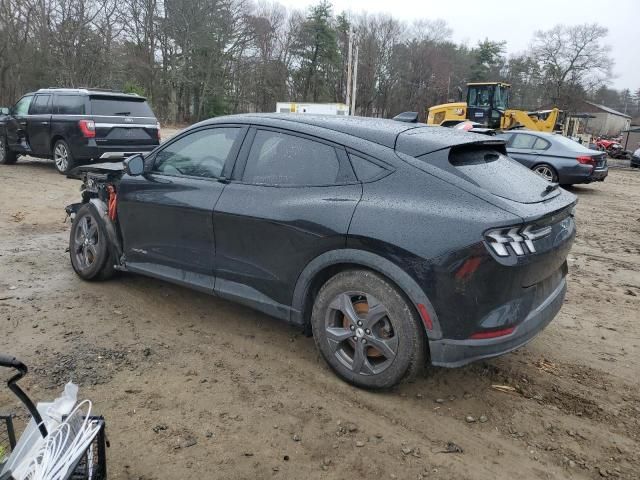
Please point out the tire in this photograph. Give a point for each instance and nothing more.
(88, 246)
(383, 349)
(63, 158)
(547, 172)
(7, 157)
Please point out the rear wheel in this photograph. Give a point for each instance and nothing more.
(88, 246)
(7, 157)
(62, 157)
(547, 172)
(366, 330)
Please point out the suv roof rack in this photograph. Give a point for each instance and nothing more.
(86, 90)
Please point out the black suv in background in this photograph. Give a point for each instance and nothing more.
(75, 126)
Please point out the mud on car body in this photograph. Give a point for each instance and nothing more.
(394, 244)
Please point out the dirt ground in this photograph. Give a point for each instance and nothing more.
(196, 387)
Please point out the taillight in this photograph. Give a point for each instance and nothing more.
(517, 238)
(586, 160)
(158, 127)
(88, 128)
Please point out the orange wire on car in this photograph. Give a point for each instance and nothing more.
(113, 200)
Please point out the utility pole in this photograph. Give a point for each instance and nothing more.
(355, 82)
(349, 67)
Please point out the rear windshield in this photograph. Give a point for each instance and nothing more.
(118, 106)
(570, 144)
(495, 172)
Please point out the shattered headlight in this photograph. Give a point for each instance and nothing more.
(516, 240)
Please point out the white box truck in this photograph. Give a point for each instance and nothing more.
(314, 108)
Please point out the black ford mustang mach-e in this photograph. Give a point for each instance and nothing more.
(395, 244)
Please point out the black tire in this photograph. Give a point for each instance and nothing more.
(340, 343)
(63, 158)
(7, 157)
(88, 246)
(546, 171)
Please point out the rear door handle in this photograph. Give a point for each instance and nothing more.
(44, 123)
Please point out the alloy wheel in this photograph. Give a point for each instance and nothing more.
(86, 240)
(360, 333)
(545, 172)
(61, 157)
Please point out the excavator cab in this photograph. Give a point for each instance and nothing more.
(487, 103)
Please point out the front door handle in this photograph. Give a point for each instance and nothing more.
(44, 123)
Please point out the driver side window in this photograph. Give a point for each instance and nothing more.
(198, 154)
(22, 107)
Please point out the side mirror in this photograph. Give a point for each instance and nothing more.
(134, 165)
(4, 111)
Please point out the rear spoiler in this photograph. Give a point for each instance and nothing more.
(407, 117)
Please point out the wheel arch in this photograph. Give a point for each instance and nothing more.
(110, 227)
(323, 267)
(54, 140)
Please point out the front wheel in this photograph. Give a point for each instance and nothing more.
(7, 157)
(88, 246)
(547, 172)
(367, 331)
(63, 157)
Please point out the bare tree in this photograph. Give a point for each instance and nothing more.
(573, 59)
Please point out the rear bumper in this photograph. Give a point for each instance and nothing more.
(120, 155)
(583, 174)
(91, 151)
(455, 353)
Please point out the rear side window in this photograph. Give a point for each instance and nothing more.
(541, 144)
(523, 141)
(118, 106)
(41, 105)
(198, 154)
(281, 159)
(365, 170)
(69, 105)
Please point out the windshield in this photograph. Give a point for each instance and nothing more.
(479, 96)
(119, 106)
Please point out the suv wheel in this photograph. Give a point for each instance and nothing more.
(7, 157)
(88, 246)
(366, 330)
(62, 157)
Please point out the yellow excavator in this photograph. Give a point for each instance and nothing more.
(488, 105)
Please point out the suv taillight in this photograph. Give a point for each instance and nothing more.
(88, 128)
(586, 160)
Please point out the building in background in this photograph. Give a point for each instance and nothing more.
(315, 108)
(607, 121)
(631, 138)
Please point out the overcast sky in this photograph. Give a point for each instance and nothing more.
(515, 22)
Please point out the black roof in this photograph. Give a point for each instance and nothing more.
(376, 130)
(414, 137)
